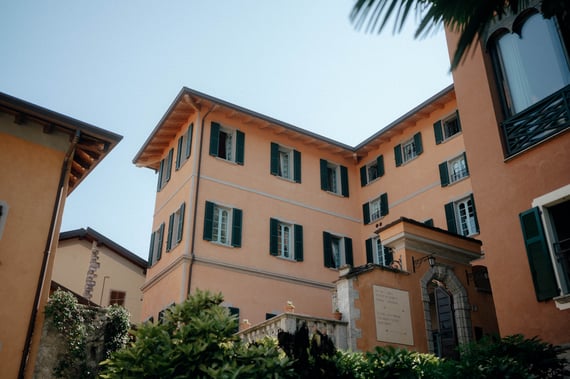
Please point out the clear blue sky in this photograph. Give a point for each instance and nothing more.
(119, 64)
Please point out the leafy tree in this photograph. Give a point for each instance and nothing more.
(196, 340)
(468, 17)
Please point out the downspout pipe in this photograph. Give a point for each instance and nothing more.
(47, 253)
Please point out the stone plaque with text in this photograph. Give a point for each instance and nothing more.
(393, 317)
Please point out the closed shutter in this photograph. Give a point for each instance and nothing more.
(181, 223)
(380, 165)
(418, 143)
(369, 251)
(324, 179)
(298, 242)
(344, 181)
(348, 251)
(363, 176)
(366, 213)
(388, 255)
(450, 217)
(475, 213)
(273, 236)
(443, 174)
(170, 231)
(539, 260)
(466, 166)
(438, 132)
(160, 240)
(151, 250)
(208, 220)
(214, 138)
(168, 166)
(429, 222)
(274, 160)
(236, 227)
(160, 170)
(189, 140)
(179, 152)
(240, 147)
(384, 210)
(398, 155)
(327, 250)
(297, 166)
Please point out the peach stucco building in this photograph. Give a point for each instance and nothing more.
(100, 270)
(513, 94)
(45, 156)
(267, 213)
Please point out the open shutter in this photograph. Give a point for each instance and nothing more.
(363, 176)
(380, 165)
(181, 223)
(236, 227)
(438, 132)
(443, 174)
(344, 181)
(458, 120)
(298, 233)
(189, 140)
(297, 166)
(179, 152)
(273, 236)
(160, 240)
(418, 143)
(168, 165)
(151, 250)
(539, 259)
(208, 220)
(450, 217)
(240, 147)
(398, 155)
(384, 210)
(324, 180)
(474, 212)
(170, 231)
(466, 166)
(214, 138)
(160, 170)
(327, 250)
(348, 251)
(369, 251)
(388, 255)
(274, 162)
(366, 213)
(429, 222)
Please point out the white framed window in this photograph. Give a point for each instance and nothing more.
(453, 170)
(284, 245)
(285, 240)
(184, 147)
(461, 216)
(175, 228)
(222, 224)
(447, 127)
(3, 216)
(285, 162)
(372, 171)
(227, 143)
(334, 178)
(337, 250)
(408, 150)
(377, 253)
(375, 209)
(155, 249)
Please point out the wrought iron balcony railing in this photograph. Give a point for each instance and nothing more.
(538, 122)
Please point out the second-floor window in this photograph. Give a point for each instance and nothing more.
(446, 128)
(334, 178)
(461, 216)
(337, 250)
(285, 162)
(226, 143)
(453, 170)
(285, 240)
(222, 224)
(372, 171)
(375, 209)
(408, 150)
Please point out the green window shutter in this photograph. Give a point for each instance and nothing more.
(273, 236)
(234, 312)
(369, 251)
(237, 215)
(274, 162)
(181, 223)
(539, 259)
(297, 166)
(366, 213)
(388, 255)
(189, 136)
(344, 181)
(384, 210)
(418, 143)
(208, 220)
(429, 222)
(380, 164)
(443, 174)
(170, 231)
(348, 251)
(466, 165)
(324, 181)
(179, 152)
(151, 250)
(327, 250)
(169, 164)
(214, 138)
(160, 241)
(398, 155)
(363, 176)
(438, 132)
(298, 233)
(475, 213)
(160, 170)
(458, 120)
(240, 147)
(450, 217)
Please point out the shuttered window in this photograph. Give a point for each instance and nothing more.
(375, 209)
(223, 224)
(337, 251)
(285, 240)
(228, 144)
(285, 162)
(334, 178)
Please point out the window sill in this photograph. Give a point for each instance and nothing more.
(222, 244)
(288, 180)
(409, 161)
(450, 138)
(457, 181)
(562, 302)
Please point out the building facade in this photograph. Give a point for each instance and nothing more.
(45, 156)
(100, 270)
(512, 92)
(267, 213)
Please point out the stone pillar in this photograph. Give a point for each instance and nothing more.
(345, 296)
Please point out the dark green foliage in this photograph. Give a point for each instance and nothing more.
(196, 340)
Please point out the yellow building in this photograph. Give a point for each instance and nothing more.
(45, 156)
(102, 271)
(268, 213)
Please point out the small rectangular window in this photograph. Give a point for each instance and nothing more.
(285, 240)
(375, 209)
(334, 178)
(117, 298)
(377, 253)
(462, 217)
(453, 170)
(226, 143)
(222, 224)
(337, 250)
(285, 162)
(408, 150)
(447, 127)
